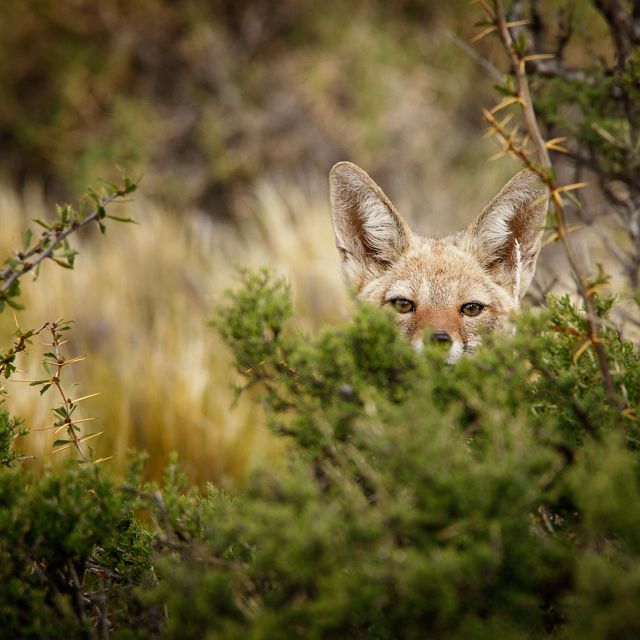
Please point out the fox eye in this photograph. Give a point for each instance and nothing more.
(471, 309)
(401, 305)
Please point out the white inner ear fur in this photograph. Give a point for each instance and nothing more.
(495, 231)
(507, 235)
(518, 274)
(379, 227)
(369, 232)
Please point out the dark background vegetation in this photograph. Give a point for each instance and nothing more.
(207, 96)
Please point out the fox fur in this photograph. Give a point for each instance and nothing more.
(454, 288)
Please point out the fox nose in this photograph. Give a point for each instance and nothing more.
(440, 336)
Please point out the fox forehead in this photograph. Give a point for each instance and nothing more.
(436, 272)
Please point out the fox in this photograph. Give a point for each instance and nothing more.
(452, 289)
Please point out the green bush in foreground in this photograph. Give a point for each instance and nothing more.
(497, 498)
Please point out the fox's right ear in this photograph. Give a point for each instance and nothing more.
(507, 236)
(370, 233)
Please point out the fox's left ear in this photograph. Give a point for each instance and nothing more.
(507, 236)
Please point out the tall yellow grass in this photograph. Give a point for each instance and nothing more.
(141, 298)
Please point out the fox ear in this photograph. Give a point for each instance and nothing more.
(370, 233)
(507, 236)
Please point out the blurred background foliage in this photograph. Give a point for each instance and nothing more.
(234, 111)
(205, 96)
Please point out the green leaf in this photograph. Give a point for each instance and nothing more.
(91, 194)
(130, 187)
(112, 187)
(36, 383)
(42, 223)
(122, 219)
(64, 265)
(26, 239)
(84, 207)
(14, 305)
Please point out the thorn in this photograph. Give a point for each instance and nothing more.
(483, 33)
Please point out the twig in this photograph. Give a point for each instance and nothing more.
(79, 597)
(494, 72)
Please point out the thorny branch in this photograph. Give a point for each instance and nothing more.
(544, 169)
(615, 158)
(66, 410)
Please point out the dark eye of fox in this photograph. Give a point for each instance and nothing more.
(403, 306)
(471, 309)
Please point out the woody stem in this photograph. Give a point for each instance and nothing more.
(586, 291)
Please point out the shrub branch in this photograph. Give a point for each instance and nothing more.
(544, 169)
(55, 237)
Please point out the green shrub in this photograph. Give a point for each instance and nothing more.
(496, 498)
(9, 430)
(490, 499)
(64, 538)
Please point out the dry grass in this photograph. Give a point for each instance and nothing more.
(141, 298)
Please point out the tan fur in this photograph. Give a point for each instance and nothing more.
(491, 262)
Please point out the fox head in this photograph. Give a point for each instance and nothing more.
(454, 288)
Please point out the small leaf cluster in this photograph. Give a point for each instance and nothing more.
(53, 242)
(22, 340)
